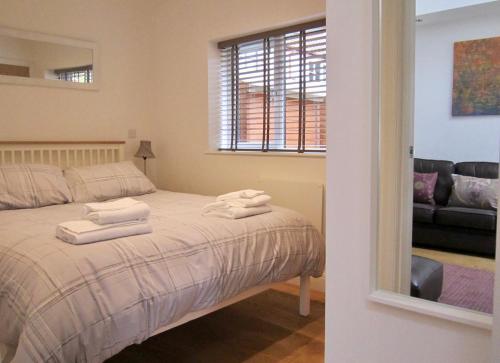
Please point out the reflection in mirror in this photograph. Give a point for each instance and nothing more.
(438, 185)
(29, 58)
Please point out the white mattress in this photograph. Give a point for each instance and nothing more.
(65, 303)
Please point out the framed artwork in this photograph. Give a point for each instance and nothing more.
(476, 77)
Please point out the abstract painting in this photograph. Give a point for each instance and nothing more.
(476, 77)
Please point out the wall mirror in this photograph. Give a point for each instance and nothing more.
(439, 134)
(29, 58)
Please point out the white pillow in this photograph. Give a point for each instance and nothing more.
(107, 181)
(472, 192)
(32, 186)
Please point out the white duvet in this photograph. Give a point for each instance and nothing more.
(65, 303)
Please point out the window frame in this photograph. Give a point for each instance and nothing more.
(278, 142)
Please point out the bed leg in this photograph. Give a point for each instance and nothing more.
(305, 295)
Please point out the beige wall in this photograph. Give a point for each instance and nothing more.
(185, 32)
(48, 57)
(122, 29)
(15, 51)
(160, 91)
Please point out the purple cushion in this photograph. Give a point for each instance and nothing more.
(423, 187)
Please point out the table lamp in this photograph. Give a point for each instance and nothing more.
(145, 152)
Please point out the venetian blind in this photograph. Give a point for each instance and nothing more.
(83, 74)
(273, 90)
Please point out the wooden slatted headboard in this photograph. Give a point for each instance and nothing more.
(61, 153)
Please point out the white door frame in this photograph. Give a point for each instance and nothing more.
(495, 338)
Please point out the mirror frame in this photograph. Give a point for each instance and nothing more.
(394, 299)
(60, 40)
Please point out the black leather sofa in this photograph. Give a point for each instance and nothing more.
(459, 229)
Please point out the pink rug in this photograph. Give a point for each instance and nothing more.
(468, 288)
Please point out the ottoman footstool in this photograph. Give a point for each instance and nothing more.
(426, 278)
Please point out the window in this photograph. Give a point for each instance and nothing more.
(273, 90)
(81, 74)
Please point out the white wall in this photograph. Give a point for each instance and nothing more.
(432, 6)
(358, 330)
(438, 135)
(122, 29)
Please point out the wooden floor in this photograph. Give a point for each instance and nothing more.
(264, 328)
(481, 263)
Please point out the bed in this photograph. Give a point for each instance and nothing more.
(60, 302)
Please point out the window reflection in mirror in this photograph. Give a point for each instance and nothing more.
(440, 245)
(27, 58)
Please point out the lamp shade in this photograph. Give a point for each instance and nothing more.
(145, 151)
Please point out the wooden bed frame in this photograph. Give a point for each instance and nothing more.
(86, 153)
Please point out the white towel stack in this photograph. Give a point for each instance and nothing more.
(104, 221)
(239, 204)
(121, 210)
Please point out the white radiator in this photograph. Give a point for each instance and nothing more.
(306, 197)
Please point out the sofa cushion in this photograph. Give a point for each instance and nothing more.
(477, 169)
(444, 169)
(423, 213)
(466, 217)
(472, 192)
(423, 187)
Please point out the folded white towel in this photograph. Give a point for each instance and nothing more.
(240, 203)
(234, 212)
(122, 210)
(245, 194)
(215, 205)
(250, 202)
(259, 201)
(117, 204)
(84, 231)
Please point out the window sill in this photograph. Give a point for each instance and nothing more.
(269, 153)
